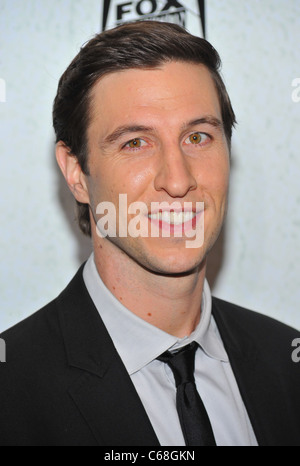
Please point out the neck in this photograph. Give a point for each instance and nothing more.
(169, 302)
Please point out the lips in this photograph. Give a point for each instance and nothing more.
(176, 222)
(173, 218)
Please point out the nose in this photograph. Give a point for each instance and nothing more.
(174, 174)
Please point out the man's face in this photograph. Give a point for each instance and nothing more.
(156, 135)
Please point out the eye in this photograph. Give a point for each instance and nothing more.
(135, 143)
(197, 138)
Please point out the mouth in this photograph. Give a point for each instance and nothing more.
(173, 218)
(175, 222)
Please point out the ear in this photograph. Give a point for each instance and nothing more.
(72, 172)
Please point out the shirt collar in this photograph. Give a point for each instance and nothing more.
(138, 342)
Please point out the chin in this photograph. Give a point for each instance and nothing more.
(161, 257)
(175, 264)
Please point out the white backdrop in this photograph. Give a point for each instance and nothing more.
(256, 262)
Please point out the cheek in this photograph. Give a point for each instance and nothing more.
(214, 178)
(222, 181)
(109, 180)
(133, 179)
(138, 180)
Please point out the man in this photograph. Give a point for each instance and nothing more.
(143, 125)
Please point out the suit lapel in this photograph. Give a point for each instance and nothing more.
(104, 393)
(258, 382)
(112, 409)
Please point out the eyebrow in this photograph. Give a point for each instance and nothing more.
(120, 131)
(207, 119)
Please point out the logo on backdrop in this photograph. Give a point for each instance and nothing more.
(187, 13)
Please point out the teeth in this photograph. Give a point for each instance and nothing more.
(174, 218)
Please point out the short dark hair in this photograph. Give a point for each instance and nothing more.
(143, 44)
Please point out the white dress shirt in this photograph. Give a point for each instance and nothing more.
(140, 343)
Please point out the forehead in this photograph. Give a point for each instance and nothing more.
(175, 90)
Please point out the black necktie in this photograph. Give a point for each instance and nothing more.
(192, 414)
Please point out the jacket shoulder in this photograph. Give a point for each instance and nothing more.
(272, 338)
(31, 333)
(260, 350)
(235, 313)
(42, 327)
(35, 405)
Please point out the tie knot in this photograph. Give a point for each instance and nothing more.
(182, 363)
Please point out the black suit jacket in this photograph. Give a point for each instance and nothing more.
(64, 384)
